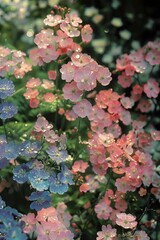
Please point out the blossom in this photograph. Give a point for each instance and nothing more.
(72, 92)
(126, 220)
(86, 33)
(42, 125)
(7, 110)
(104, 76)
(58, 155)
(52, 20)
(41, 200)
(107, 233)
(79, 166)
(39, 179)
(151, 88)
(82, 108)
(6, 88)
(124, 80)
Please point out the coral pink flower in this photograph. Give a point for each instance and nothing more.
(124, 80)
(84, 187)
(71, 92)
(126, 220)
(33, 83)
(86, 33)
(144, 105)
(63, 40)
(107, 233)
(121, 205)
(79, 166)
(31, 93)
(106, 139)
(83, 108)
(33, 102)
(47, 214)
(151, 88)
(130, 70)
(153, 57)
(52, 74)
(49, 97)
(100, 169)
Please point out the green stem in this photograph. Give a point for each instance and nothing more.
(19, 90)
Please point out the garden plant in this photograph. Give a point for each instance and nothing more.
(79, 139)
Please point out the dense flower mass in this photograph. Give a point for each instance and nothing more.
(78, 133)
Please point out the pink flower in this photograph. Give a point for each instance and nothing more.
(127, 102)
(31, 93)
(33, 83)
(47, 214)
(151, 88)
(73, 19)
(30, 222)
(52, 20)
(68, 71)
(85, 79)
(51, 136)
(86, 33)
(79, 166)
(155, 135)
(70, 30)
(103, 210)
(83, 108)
(42, 125)
(47, 84)
(49, 97)
(104, 76)
(107, 233)
(144, 105)
(153, 57)
(126, 220)
(71, 92)
(52, 74)
(33, 102)
(44, 38)
(124, 80)
(80, 59)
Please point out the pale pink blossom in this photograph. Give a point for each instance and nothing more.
(126, 220)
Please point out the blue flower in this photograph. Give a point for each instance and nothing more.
(29, 149)
(7, 110)
(66, 176)
(41, 200)
(55, 184)
(16, 234)
(57, 155)
(6, 88)
(39, 179)
(11, 150)
(20, 173)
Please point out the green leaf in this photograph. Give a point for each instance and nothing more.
(17, 131)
